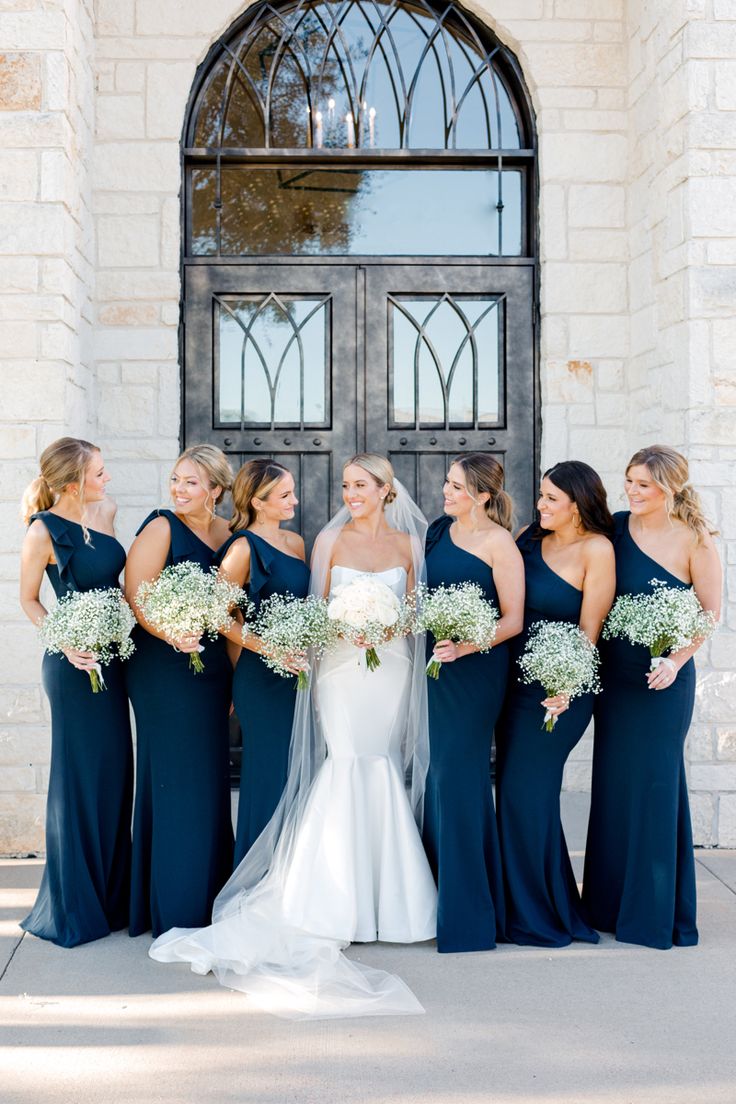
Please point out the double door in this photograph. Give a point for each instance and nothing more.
(311, 362)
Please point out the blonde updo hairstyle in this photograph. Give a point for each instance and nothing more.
(211, 463)
(379, 468)
(484, 474)
(62, 462)
(670, 472)
(256, 479)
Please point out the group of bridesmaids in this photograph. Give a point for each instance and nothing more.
(503, 874)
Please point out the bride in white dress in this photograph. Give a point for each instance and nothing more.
(341, 860)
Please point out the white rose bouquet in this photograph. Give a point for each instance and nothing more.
(98, 621)
(667, 619)
(289, 627)
(185, 600)
(367, 612)
(561, 657)
(457, 612)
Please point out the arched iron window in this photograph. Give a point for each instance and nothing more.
(314, 127)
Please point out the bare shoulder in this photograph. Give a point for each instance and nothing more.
(520, 531)
(220, 530)
(294, 542)
(37, 536)
(499, 541)
(598, 546)
(157, 532)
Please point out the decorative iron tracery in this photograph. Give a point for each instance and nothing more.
(324, 74)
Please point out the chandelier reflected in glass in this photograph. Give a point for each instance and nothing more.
(358, 74)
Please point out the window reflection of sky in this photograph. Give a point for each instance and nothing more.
(384, 212)
(445, 331)
(270, 334)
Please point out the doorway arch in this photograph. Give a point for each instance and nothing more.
(359, 246)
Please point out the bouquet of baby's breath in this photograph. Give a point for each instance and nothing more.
(366, 611)
(561, 657)
(667, 619)
(185, 600)
(98, 621)
(457, 612)
(289, 627)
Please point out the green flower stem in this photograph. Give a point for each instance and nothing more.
(302, 680)
(372, 661)
(433, 668)
(195, 663)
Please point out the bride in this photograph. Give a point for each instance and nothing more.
(341, 860)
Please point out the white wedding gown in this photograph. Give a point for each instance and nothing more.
(352, 870)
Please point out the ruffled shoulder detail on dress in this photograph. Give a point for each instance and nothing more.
(436, 532)
(527, 541)
(185, 545)
(262, 558)
(64, 546)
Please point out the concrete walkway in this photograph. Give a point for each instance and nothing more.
(613, 1024)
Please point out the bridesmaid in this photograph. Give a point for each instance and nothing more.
(570, 576)
(182, 833)
(471, 543)
(266, 559)
(85, 888)
(639, 868)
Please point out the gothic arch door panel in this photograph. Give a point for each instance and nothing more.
(449, 368)
(270, 355)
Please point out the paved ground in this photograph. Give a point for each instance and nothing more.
(611, 1024)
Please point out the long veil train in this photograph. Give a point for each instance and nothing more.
(278, 931)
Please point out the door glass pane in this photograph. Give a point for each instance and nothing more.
(271, 360)
(300, 210)
(444, 366)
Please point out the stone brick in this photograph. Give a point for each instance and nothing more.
(17, 441)
(567, 381)
(115, 17)
(612, 410)
(169, 400)
(32, 391)
(56, 81)
(20, 705)
(119, 117)
(127, 241)
(585, 288)
(597, 335)
(154, 343)
(24, 745)
(726, 742)
(20, 82)
(724, 9)
(128, 314)
(727, 820)
(18, 175)
(596, 205)
(167, 90)
(145, 284)
(592, 64)
(717, 776)
(583, 157)
(126, 410)
(137, 166)
(18, 274)
(713, 427)
(18, 339)
(590, 444)
(32, 229)
(703, 816)
(716, 697)
(130, 76)
(17, 779)
(21, 823)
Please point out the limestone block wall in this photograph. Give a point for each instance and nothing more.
(635, 108)
(46, 266)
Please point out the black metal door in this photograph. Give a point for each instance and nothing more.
(270, 368)
(311, 362)
(449, 368)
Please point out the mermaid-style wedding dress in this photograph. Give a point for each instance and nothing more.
(350, 869)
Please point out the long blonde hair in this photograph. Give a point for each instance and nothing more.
(213, 463)
(484, 473)
(670, 472)
(62, 462)
(256, 479)
(379, 467)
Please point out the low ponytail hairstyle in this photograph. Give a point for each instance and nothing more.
(213, 464)
(256, 479)
(483, 473)
(62, 462)
(584, 486)
(669, 470)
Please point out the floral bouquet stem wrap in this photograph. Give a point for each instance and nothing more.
(562, 658)
(98, 621)
(290, 626)
(186, 600)
(459, 612)
(366, 612)
(666, 620)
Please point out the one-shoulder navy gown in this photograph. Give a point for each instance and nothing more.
(542, 900)
(264, 700)
(182, 831)
(460, 834)
(85, 887)
(639, 867)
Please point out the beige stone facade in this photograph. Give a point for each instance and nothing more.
(636, 115)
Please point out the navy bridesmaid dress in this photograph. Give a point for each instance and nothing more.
(85, 887)
(639, 878)
(460, 834)
(542, 900)
(182, 831)
(264, 700)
